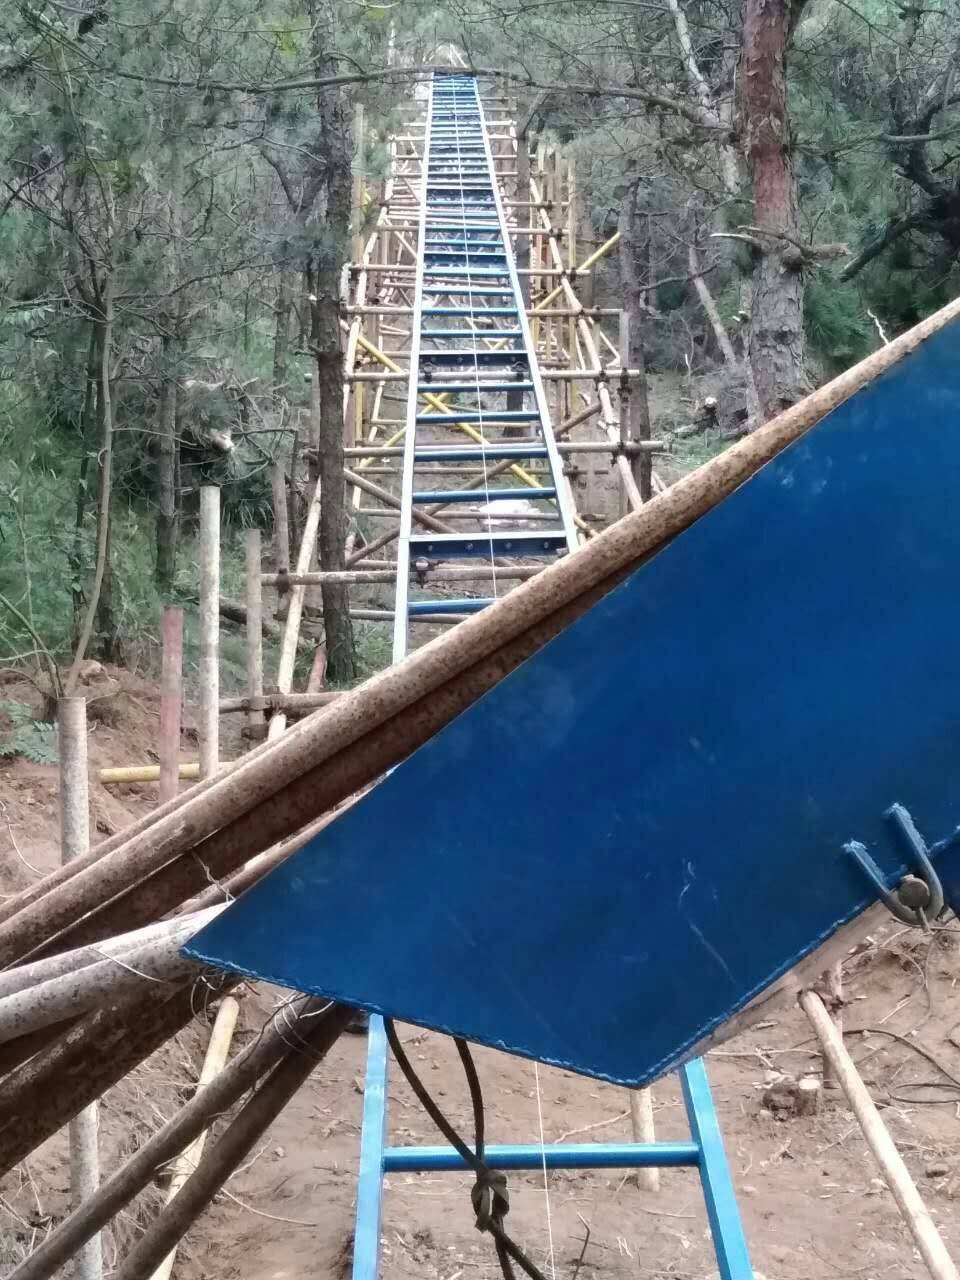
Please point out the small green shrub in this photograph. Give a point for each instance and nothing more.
(26, 737)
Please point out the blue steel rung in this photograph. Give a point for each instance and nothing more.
(486, 385)
(483, 415)
(422, 496)
(477, 453)
(569, 1155)
(461, 546)
(469, 311)
(469, 604)
(508, 356)
(486, 334)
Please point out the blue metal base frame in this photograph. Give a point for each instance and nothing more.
(704, 1152)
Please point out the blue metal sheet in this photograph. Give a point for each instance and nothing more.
(693, 754)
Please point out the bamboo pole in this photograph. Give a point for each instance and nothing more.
(213, 1063)
(30, 975)
(643, 1129)
(550, 599)
(209, 630)
(75, 842)
(46, 1003)
(171, 702)
(119, 1189)
(254, 624)
(224, 1157)
(896, 1174)
(145, 773)
(291, 626)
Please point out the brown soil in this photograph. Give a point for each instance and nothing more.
(812, 1201)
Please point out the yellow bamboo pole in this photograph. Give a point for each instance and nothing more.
(213, 1064)
(145, 773)
(584, 266)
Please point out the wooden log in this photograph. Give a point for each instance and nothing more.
(167, 1143)
(84, 1135)
(234, 1145)
(213, 1063)
(896, 1174)
(562, 590)
(171, 702)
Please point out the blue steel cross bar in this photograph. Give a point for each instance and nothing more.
(457, 254)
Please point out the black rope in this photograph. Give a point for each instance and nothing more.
(489, 1196)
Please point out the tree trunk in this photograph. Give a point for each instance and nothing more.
(88, 418)
(633, 249)
(776, 330)
(168, 517)
(281, 338)
(94, 612)
(336, 150)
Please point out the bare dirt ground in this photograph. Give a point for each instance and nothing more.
(812, 1202)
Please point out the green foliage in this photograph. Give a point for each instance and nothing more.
(31, 739)
(837, 327)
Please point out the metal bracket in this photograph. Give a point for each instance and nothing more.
(917, 899)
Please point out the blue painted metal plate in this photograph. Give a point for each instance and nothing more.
(639, 829)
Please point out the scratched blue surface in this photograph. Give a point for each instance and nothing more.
(641, 827)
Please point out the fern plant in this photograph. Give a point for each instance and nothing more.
(27, 737)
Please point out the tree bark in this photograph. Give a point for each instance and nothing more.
(281, 338)
(87, 421)
(94, 612)
(633, 249)
(336, 149)
(168, 517)
(776, 330)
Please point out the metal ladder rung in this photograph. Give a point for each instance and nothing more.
(458, 546)
(570, 1155)
(469, 311)
(469, 604)
(486, 384)
(478, 453)
(492, 417)
(424, 497)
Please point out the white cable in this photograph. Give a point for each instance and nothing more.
(546, 1184)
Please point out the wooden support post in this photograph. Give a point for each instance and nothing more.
(75, 843)
(832, 982)
(254, 625)
(209, 630)
(895, 1172)
(281, 527)
(171, 701)
(641, 1123)
(213, 1064)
